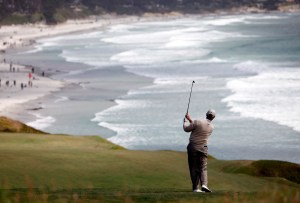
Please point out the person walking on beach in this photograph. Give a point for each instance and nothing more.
(197, 149)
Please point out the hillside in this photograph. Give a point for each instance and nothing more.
(59, 168)
(56, 11)
(9, 125)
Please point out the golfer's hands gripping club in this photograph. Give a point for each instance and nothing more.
(188, 117)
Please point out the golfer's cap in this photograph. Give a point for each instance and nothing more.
(211, 112)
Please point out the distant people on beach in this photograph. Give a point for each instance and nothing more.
(29, 83)
(15, 82)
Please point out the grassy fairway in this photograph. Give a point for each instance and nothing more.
(59, 168)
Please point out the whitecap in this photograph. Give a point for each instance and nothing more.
(41, 122)
(270, 95)
(61, 99)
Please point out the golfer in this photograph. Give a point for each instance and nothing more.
(197, 149)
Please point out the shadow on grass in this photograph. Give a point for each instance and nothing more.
(267, 168)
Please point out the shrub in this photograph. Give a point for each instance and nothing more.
(36, 17)
(15, 18)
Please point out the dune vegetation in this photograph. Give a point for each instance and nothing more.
(9, 125)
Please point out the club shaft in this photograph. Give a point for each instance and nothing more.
(187, 110)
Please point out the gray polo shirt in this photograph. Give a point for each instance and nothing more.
(200, 131)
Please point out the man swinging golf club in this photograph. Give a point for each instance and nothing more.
(197, 148)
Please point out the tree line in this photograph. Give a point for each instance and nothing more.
(55, 11)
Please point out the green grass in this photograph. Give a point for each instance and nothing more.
(60, 168)
(267, 168)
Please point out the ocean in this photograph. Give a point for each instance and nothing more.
(246, 67)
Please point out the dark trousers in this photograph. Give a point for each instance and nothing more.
(198, 168)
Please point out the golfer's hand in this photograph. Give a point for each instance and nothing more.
(187, 116)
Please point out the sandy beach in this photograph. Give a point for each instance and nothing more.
(16, 36)
(20, 84)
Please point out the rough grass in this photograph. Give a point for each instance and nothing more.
(9, 125)
(267, 168)
(60, 168)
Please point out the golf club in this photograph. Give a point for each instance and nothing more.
(187, 110)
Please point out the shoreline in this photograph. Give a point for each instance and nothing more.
(20, 84)
(32, 32)
(11, 38)
(110, 93)
(32, 105)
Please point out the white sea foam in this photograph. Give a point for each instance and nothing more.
(137, 136)
(195, 39)
(243, 19)
(40, 47)
(146, 56)
(129, 141)
(225, 20)
(71, 56)
(135, 39)
(272, 95)
(121, 28)
(167, 85)
(127, 133)
(121, 105)
(62, 40)
(251, 67)
(210, 60)
(178, 80)
(157, 37)
(71, 37)
(216, 60)
(264, 17)
(41, 122)
(134, 135)
(174, 46)
(61, 99)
